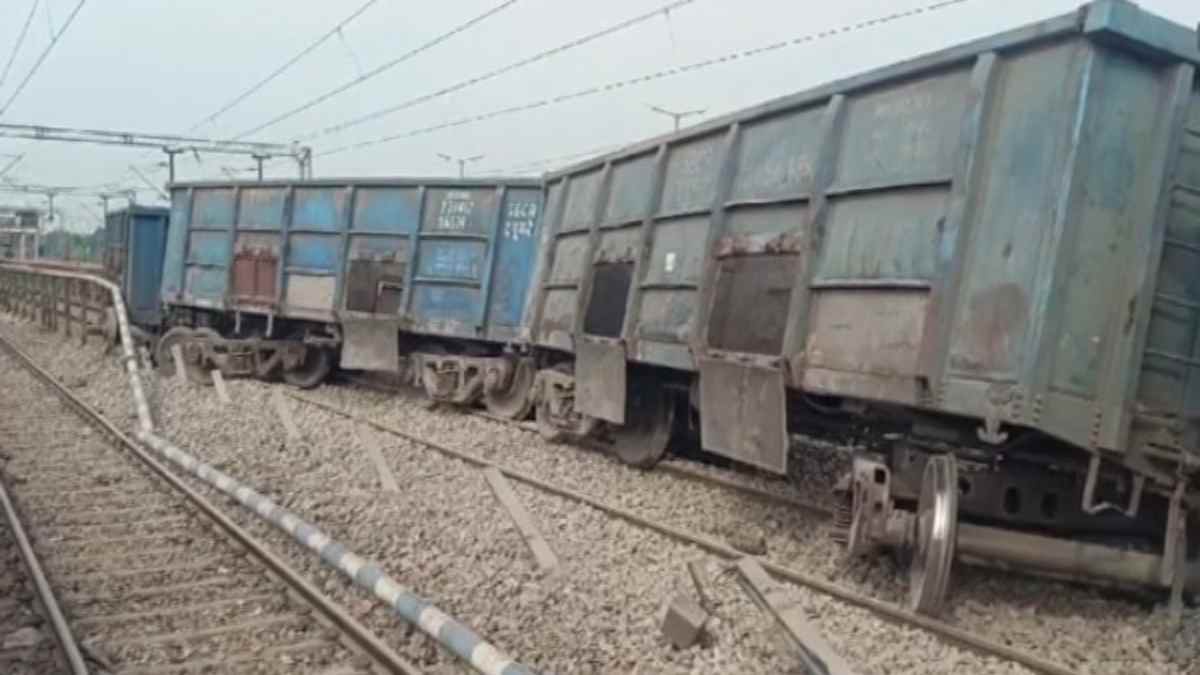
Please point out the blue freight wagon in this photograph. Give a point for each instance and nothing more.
(984, 264)
(135, 240)
(295, 275)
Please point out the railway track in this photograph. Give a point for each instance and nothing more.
(687, 469)
(888, 611)
(151, 577)
(34, 637)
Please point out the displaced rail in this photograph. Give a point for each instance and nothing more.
(687, 469)
(888, 611)
(151, 575)
(28, 603)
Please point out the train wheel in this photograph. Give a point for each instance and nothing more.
(545, 423)
(193, 356)
(312, 371)
(162, 352)
(936, 534)
(515, 401)
(649, 416)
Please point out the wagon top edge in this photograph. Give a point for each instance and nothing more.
(436, 181)
(140, 210)
(1117, 23)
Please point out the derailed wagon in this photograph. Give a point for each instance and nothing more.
(291, 277)
(985, 261)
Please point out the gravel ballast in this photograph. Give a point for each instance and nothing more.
(446, 536)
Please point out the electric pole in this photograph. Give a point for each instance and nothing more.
(462, 162)
(677, 116)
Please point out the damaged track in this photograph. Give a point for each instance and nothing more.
(887, 611)
(151, 576)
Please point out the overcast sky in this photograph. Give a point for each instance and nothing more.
(162, 66)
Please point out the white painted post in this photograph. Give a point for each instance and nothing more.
(219, 384)
(180, 371)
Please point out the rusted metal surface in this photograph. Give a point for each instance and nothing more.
(449, 257)
(743, 413)
(816, 653)
(600, 378)
(979, 215)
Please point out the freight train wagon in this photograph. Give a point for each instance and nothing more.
(135, 240)
(984, 264)
(295, 276)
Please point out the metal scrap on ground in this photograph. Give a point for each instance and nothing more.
(816, 653)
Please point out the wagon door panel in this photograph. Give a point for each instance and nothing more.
(207, 248)
(314, 251)
(385, 222)
(452, 259)
(512, 271)
(759, 260)
(759, 255)
(870, 293)
(744, 413)
(257, 248)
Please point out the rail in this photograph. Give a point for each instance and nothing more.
(45, 594)
(885, 610)
(29, 287)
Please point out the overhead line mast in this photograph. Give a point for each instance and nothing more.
(170, 144)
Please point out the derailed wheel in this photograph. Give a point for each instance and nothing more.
(311, 370)
(936, 533)
(649, 415)
(514, 401)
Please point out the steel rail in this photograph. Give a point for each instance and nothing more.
(46, 597)
(677, 468)
(346, 624)
(894, 613)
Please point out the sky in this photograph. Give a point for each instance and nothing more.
(165, 66)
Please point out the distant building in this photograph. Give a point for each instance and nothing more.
(20, 231)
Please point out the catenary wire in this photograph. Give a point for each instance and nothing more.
(492, 74)
(20, 41)
(650, 77)
(342, 88)
(237, 100)
(42, 59)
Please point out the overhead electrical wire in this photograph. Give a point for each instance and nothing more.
(20, 41)
(650, 77)
(336, 30)
(42, 59)
(491, 74)
(526, 167)
(342, 88)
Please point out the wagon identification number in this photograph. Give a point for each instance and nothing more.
(456, 211)
(519, 222)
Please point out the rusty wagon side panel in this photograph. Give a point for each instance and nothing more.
(442, 257)
(976, 232)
